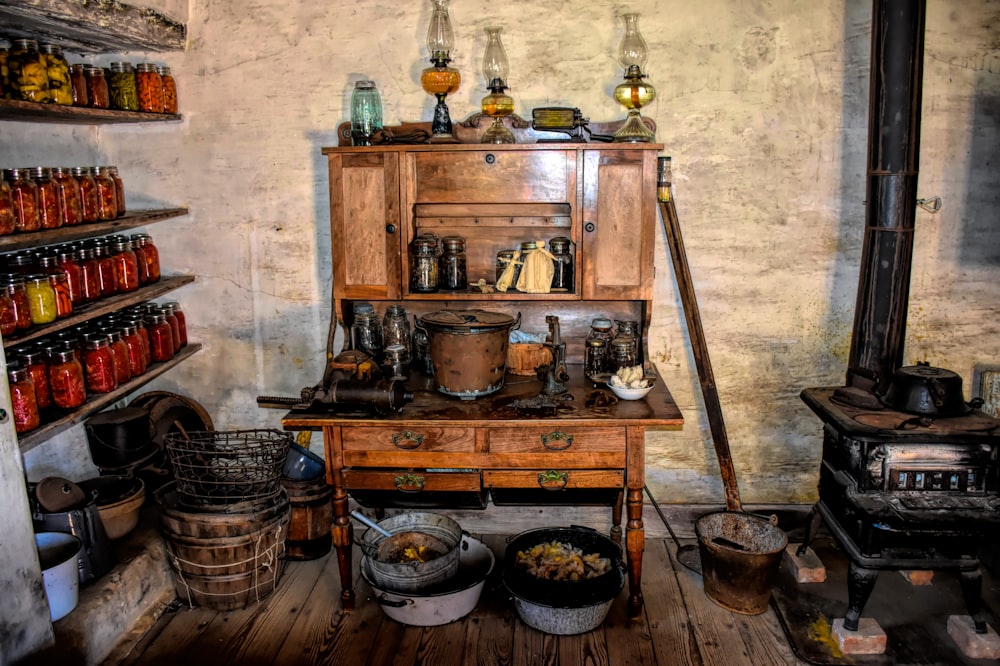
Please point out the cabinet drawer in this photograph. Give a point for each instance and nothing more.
(554, 479)
(412, 481)
(485, 176)
(562, 448)
(410, 447)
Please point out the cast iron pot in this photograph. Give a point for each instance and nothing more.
(926, 390)
(564, 607)
(468, 349)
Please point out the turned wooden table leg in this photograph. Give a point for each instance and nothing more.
(635, 544)
(343, 539)
(616, 518)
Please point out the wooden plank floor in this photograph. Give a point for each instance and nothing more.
(301, 623)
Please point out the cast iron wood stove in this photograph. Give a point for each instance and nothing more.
(909, 470)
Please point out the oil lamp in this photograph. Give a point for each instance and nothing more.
(633, 93)
(440, 80)
(497, 104)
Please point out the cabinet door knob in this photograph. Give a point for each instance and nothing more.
(390, 228)
(490, 158)
(589, 227)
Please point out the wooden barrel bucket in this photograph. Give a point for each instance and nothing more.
(224, 561)
(311, 503)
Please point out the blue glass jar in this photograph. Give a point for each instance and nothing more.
(366, 113)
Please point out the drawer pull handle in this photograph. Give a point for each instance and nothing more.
(553, 480)
(409, 483)
(407, 439)
(557, 441)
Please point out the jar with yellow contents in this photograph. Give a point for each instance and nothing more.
(41, 299)
(57, 68)
(29, 78)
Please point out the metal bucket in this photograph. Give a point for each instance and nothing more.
(413, 576)
(468, 349)
(740, 554)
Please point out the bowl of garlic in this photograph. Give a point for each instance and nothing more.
(630, 383)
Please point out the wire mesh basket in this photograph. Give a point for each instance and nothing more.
(226, 467)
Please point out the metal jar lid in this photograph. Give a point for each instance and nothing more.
(466, 321)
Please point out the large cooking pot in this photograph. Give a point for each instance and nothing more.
(468, 349)
(926, 390)
(563, 607)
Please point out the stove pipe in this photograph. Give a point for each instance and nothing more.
(879, 331)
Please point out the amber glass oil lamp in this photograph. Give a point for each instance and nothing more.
(440, 80)
(498, 104)
(633, 93)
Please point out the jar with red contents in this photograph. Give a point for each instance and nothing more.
(8, 318)
(22, 263)
(64, 301)
(66, 261)
(175, 308)
(161, 338)
(140, 325)
(123, 369)
(99, 364)
(70, 196)
(98, 95)
(175, 326)
(126, 265)
(18, 292)
(36, 363)
(90, 272)
(24, 193)
(119, 189)
(79, 81)
(106, 275)
(136, 349)
(8, 219)
(50, 214)
(107, 194)
(150, 252)
(150, 86)
(22, 400)
(169, 90)
(88, 193)
(66, 379)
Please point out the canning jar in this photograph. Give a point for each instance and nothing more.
(143, 330)
(107, 194)
(41, 299)
(150, 86)
(452, 272)
(98, 96)
(106, 274)
(122, 88)
(8, 319)
(396, 365)
(64, 300)
(22, 400)
(366, 113)
(25, 196)
(27, 72)
(66, 261)
(175, 326)
(90, 272)
(19, 300)
(35, 362)
(126, 265)
(66, 378)
(161, 338)
(119, 189)
(423, 264)
(175, 309)
(8, 218)
(57, 68)
(119, 350)
(169, 90)
(78, 80)
(151, 254)
(396, 329)
(366, 334)
(562, 278)
(506, 259)
(136, 351)
(622, 354)
(21, 263)
(70, 197)
(88, 193)
(595, 358)
(421, 350)
(630, 328)
(50, 214)
(99, 364)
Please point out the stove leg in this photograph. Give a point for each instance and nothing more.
(811, 528)
(972, 591)
(860, 583)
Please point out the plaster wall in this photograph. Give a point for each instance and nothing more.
(762, 104)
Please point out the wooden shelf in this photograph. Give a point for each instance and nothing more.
(11, 109)
(97, 402)
(101, 307)
(131, 220)
(92, 27)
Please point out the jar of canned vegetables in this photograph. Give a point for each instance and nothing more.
(88, 193)
(122, 87)
(70, 196)
(107, 194)
(50, 214)
(19, 301)
(57, 68)
(169, 90)
(37, 365)
(99, 364)
(119, 189)
(66, 378)
(28, 73)
(78, 81)
(150, 86)
(98, 95)
(8, 220)
(22, 400)
(25, 196)
(41, 299)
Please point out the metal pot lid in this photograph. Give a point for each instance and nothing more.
(924, 371)
(55, 494)
(460, 320)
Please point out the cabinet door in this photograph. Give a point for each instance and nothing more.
(364, 225)
(619, 219)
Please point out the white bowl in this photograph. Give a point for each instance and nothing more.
(630, 393)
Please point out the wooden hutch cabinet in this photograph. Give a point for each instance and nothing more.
(443, 451)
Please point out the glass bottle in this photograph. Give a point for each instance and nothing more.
(424, 265)
(396, 329)
(622, 353)
(395, 366)
(90, 272)
(136, 351)
(119, 189)
(50, 214)
(25, 196)
(27, 72)
(19, 300)
(562, 278)
(41, 299)
(595, 358)
(64, 300)
(152, 254)
(66, 378)
(70, 196)
(107, 194)
(366, 334)
(88, 193)
(126, 265)
(121, 87)
(119, 352)
(99, 364)
(57, 68)
(169, 90)
(161, 338)
(35, 362)
(98, 96)
(22, 400)
(630, 328)
(175, 308)
(421, 350)
(78, 80)
(150, 86)
(452, 273)
(8, 218)
(366, 113)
